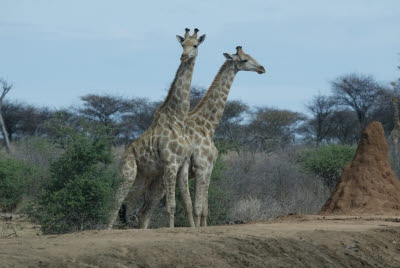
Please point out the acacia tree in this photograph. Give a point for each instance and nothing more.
(5, 89)
(138, 119)
(271, 128)
(196, 95)
(230, 125)
(105, 109)
(344, 127)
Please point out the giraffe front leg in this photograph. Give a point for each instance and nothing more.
(169, 179)
(183, 182)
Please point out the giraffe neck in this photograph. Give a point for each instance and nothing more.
(396, 114)
(213, 104)
(177, 103)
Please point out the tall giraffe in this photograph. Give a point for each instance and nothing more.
(153, 160)
(394, 137)
(200, 127)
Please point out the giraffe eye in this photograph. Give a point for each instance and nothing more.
(195, 46)
(244, 61)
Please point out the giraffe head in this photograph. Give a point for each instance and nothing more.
(244, 62)
(190, 44)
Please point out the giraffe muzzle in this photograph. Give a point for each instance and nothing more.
(184, 57)
(261, 70)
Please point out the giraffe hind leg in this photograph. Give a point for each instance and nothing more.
(204, 212)
(183, 182)
(128, 170)
(200, 180)
(153, 196)
(138, 189)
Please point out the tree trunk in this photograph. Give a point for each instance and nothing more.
(5, 134)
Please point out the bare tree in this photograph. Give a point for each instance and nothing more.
(358, 92)
(5, 89)
(322, 108)
(382, 111)
(11, 112)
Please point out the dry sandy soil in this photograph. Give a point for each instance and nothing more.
(297, 240)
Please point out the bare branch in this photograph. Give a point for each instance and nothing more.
(6, 88)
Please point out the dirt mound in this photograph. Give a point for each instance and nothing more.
(368, 184)
(295, 241)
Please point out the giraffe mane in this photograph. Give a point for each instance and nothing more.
(169, 93)
(210, 89)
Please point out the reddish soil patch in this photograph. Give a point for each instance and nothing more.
(368, 184)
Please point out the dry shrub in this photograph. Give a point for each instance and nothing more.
(276, 181)
(247, 209)
(37, 151)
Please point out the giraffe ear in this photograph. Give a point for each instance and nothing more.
(201, 39)
(180, 39)
(228, 56)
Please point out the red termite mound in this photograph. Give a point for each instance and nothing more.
(368, 184)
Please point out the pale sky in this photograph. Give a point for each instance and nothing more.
(56, 51)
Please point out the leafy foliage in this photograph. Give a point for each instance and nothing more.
(16, 177)
(327, 161)
(80, 192)
(217, 196)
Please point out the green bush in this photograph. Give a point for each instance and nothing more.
(81, 189)
(225, 145)
(218, 203)
(327, 161)
(16, 181)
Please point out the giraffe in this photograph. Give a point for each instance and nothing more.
(153, 160)
(394, 137)
(200, 127)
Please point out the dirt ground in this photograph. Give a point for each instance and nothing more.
(297, 240)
